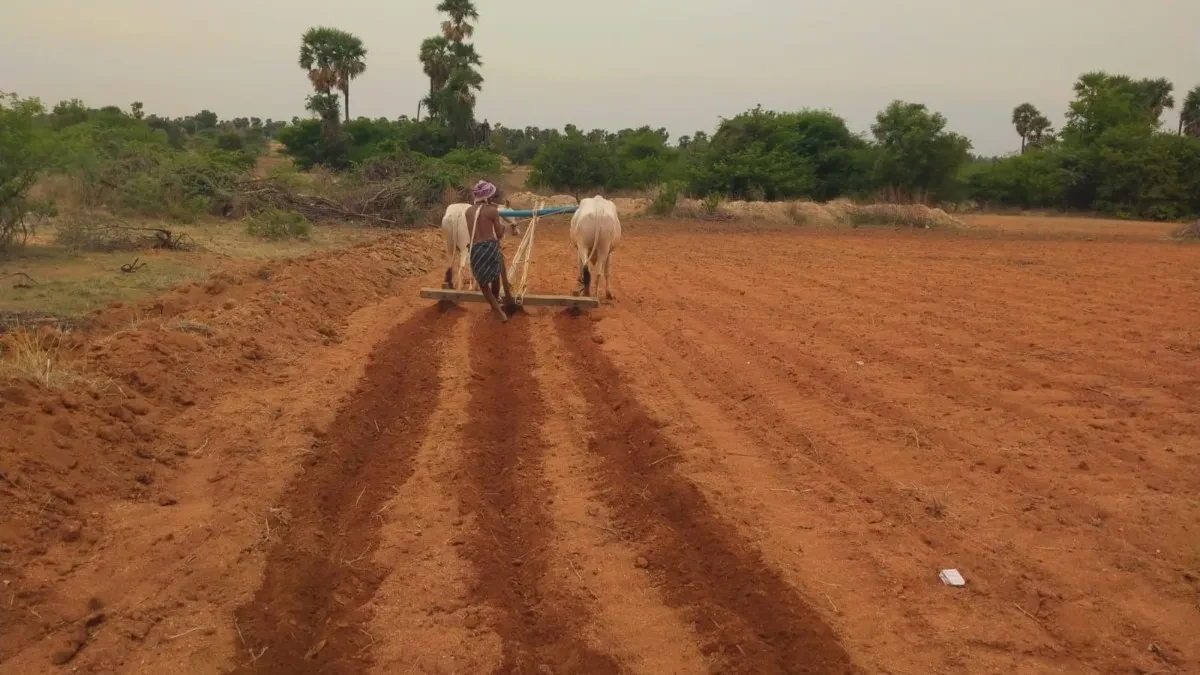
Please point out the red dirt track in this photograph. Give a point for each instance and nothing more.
(755, 461)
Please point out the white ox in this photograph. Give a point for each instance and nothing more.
(595, 231)
(456, 232)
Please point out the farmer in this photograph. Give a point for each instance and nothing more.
(487, 262)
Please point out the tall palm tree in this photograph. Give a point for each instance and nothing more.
(349, 62)
(436, 61)
(317, 56)
(1189, 114)
(1022, 118)
(451, 63)
(441, 59)
(332, 58)
(457, 94)
(456, 29)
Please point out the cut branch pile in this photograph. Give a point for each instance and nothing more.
(101, 232)
(395, 203)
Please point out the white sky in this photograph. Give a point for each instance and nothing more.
(611, 64)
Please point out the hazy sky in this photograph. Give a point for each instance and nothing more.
(611, 63)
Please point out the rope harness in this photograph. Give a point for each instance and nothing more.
(523, 260)
(465, 261)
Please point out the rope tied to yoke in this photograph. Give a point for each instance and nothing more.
(523, 260)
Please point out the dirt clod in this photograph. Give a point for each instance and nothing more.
(71, 531)
(73, 641)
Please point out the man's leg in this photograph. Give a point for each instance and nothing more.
(491, 298)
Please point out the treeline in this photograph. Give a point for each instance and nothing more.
(120, 160)
(1112, 155)
(196, 132)
(765, 155)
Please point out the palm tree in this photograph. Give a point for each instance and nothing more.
(1155, 95)
(452, 65)
(317, 56)
(456, 29)
(332, 58)
(349, 62)
(442, 60)
(437, 61)
(1022, 118)
(1041, 133)
(1189, 114)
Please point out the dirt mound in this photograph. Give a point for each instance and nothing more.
(528, 200)
(63, 451)
(794, 212)
(841, 212)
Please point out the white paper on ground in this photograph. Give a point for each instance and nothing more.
(951, 577)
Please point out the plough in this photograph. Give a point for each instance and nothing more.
(518, 269)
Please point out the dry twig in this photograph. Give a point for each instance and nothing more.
(1026, 613)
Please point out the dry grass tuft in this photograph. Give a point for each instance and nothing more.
(25, 354)
(903, 215)
(1189, 232)
(188, 326)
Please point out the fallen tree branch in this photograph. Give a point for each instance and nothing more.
(30, 284)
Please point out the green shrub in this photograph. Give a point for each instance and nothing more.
(274, 224)
(574, 163)
(25, 153)
(667, 199)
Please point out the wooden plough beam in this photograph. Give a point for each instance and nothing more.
(530, 300)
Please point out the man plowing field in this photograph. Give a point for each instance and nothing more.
(487, 261)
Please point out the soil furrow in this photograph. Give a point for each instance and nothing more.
(864, 562)
(541, 627)
(810, 368)
(749, 619)
(308, 614)
(834, 435)
(778, 382)
(629, 614)
(823, 440)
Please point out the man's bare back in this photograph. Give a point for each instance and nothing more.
(488, 226)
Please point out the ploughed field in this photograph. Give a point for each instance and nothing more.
(756, 460)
